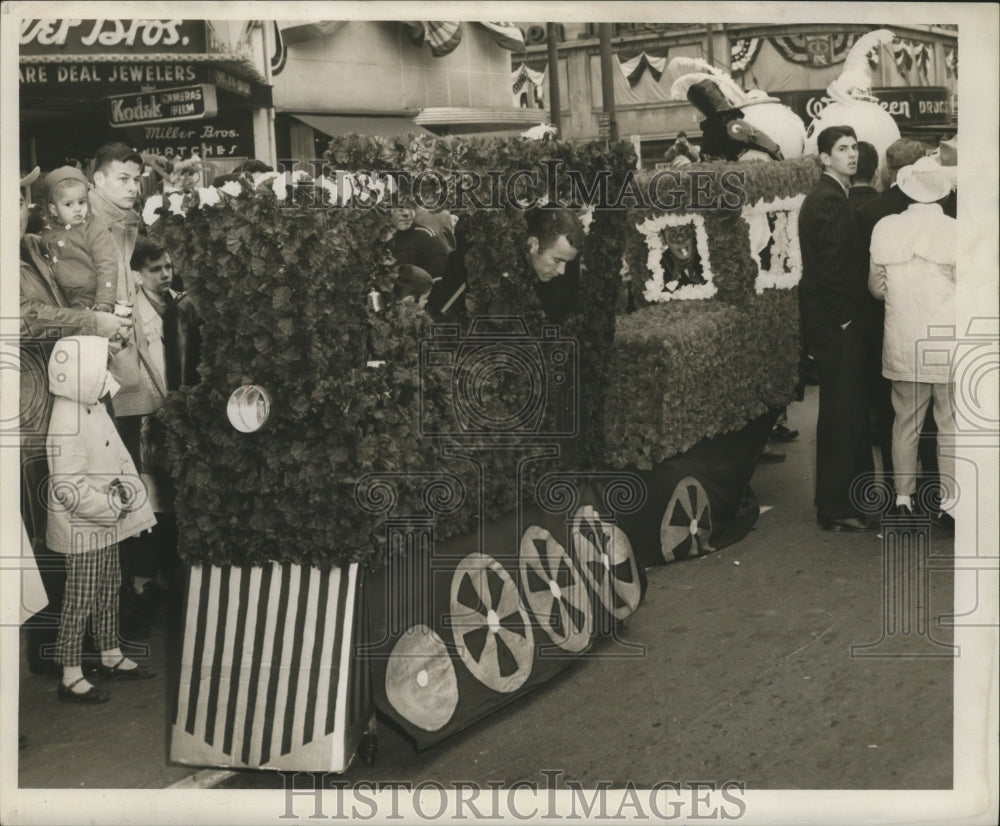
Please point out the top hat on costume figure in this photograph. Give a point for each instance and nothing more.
(712, 98)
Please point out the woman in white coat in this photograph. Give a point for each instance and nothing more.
(95, 500)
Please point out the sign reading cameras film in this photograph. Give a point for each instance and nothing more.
(164, 105)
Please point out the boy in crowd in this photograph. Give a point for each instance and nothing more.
(417, 245)
(156, 559)
(835, 309)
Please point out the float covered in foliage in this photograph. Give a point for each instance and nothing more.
(281, 273)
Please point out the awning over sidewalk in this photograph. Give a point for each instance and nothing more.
(386, 127)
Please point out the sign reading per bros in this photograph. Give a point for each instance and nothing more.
(91, 36)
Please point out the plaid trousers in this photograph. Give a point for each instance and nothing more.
(92, 582)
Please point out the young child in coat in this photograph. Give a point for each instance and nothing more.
(95, 500)
(84, 260)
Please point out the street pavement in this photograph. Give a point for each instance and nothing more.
(737, 667)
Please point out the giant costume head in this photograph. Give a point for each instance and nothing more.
(738, 125)
(852, 101)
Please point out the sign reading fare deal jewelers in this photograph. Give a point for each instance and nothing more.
(164, 105)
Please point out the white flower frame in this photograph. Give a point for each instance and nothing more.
(786, 254)
(654, 288)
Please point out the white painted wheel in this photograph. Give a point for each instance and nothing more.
(490, 626)
(605, 557)
(687, 521)
(554, 590)
(420, 680)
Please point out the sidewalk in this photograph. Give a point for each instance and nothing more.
(123, 743)
(746, 675)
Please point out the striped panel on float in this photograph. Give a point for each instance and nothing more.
(268, 678)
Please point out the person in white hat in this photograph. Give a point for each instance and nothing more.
(913, 270)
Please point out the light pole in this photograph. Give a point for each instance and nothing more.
(607, 82)
(555, 107)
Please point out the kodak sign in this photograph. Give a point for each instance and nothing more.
(163, 105)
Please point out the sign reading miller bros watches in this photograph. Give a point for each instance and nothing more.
(164, 105)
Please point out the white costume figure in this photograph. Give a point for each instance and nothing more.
(739, 125)
(853, 104)
(745, 126)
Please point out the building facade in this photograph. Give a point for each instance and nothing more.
(388, 78)
(915, 78)
(166, 87)
(272, 90)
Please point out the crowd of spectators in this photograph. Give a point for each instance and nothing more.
(878, 276)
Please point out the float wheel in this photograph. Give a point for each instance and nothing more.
(687, 521)
(554, 590)
(491, 628)
(605, 557)
(420, 681)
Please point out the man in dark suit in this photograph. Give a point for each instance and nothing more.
(834, 307)
(863, 182)
(893, 201)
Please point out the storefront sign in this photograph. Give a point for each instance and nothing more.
(110, 73)
(164, 105)
(230, 83)
(74, 37)
(229, 136)
(911, 106)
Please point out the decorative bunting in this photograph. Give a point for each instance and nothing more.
(903, 56)
(743, 52)
(295, 31)
(951, 62)
(442, 37)
(528, 87)
(908, 54)
(507, 35)
(812, 50)
(634, 67)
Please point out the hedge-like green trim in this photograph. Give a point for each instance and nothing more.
(282, 293)
(687, 370)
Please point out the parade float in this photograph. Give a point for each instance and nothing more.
(432, 520)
